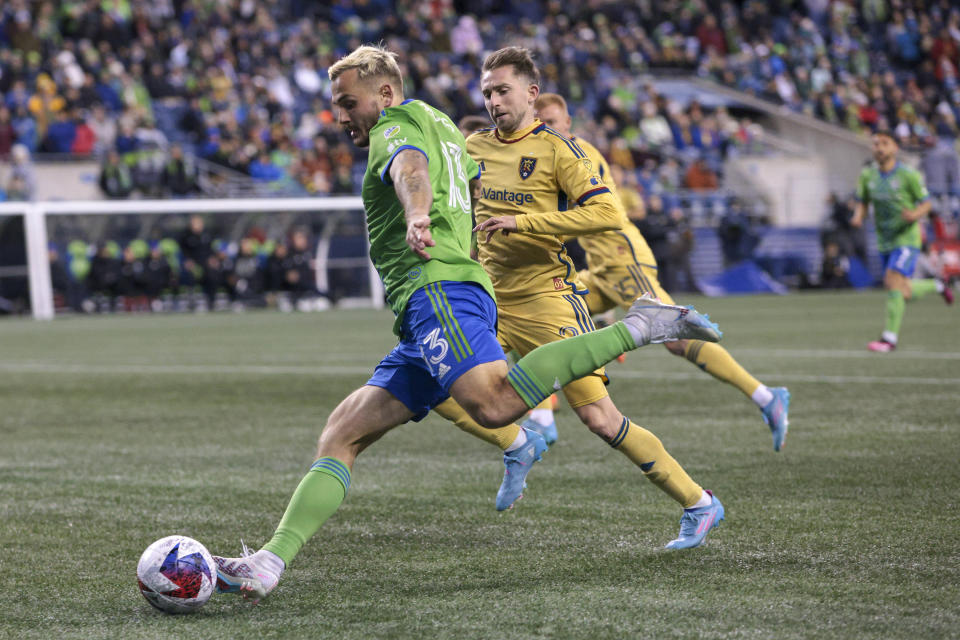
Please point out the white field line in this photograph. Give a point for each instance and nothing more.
(319, 370)
(840, 354)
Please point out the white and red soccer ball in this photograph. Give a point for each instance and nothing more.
(176, 574)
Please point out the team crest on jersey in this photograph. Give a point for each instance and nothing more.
(527, 165)
(390, 132)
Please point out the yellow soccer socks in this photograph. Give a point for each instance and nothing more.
(718, 362)
(647, 452)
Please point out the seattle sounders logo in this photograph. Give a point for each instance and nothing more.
(414, 273)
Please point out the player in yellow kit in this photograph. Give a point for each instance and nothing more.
(622, 267)
(536, 187)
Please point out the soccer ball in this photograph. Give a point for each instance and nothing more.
(176, 574)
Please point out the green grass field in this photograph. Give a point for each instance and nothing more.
(115, 431)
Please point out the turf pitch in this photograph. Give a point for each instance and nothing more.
(115, 431)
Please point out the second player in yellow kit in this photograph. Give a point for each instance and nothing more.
(622, 267)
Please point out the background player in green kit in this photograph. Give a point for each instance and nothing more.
(417, 196)
(900, 200)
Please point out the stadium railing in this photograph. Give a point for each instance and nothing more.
(36, 215)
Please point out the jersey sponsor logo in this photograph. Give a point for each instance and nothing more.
(391, 131)
(516, 197)
(414, 273)
(394, 144)
(558, 284)
(527, 165)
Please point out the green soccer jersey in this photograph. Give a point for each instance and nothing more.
(416, 125)
(891, 193)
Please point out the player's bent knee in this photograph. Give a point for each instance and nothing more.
(601, 417)
(676, 347)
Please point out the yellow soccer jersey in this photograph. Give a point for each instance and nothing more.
(612, 249)
(540, 177)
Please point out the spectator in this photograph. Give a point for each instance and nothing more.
(835, 267)
(246, 282)
(157, 276)
(738, 239)
(104, 129)
(263, 170)
(196, 244)
(179, 175)
(8, 134)
(116, 181)
(681, 242)
(655, 228)
(60, 134)
(21, 182)
(84, 139)
(941, 164)
(104, 277)
(699, 177)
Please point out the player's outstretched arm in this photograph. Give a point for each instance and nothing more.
(411, 181)
(859, 213)
(602, 212)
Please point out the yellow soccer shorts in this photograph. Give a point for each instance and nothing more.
(620, 286)
(524, 326)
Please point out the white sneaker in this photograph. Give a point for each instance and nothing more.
(652, 321)
(245, 575)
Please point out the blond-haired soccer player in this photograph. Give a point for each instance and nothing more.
(621, 267)
(539, 186)
(416, 192)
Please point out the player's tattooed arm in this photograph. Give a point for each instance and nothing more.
(411, 181)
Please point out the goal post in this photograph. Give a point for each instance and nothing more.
(36, 215)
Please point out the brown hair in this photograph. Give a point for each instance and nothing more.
(519, 58)
(888, 134)
(471, 124)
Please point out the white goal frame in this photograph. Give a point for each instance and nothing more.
(35, 229)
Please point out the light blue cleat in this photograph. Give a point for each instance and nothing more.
(548, 431)
(696, 524)
(775, 415)
(517, 465)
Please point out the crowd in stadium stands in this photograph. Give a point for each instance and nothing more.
(193, 271)
(146, 86)
(242, 83)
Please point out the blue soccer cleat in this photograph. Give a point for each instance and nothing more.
(696, 524)
(517, 465)
(548, 431)
(775, 415)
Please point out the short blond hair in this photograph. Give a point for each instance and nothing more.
(550, 99)
(370, 61)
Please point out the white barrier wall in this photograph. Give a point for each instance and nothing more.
(35, 228)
